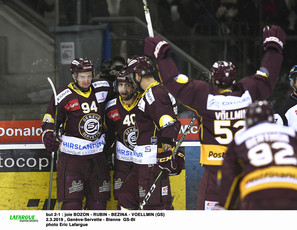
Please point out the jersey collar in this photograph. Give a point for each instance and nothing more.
(84, 94)
(150, 86)
(135, 102)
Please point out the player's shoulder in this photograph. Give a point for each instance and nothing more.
(111, 103)
(263, 129)
(158, 88)
(63, 93)
(102, 83)
(156, 93)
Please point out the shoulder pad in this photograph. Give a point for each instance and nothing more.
(165, 121)
(110, 103)
(149, 96)
(261, 73)
(182, 79)
(63, 94)
(172, 99)
(98, 84)
(141, 105)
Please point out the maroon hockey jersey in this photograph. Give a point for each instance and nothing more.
(121, 122)
(261, 163)
(156, 122)
(221, 114)
(81, 115)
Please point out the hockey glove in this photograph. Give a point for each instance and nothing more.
(274, 37)
(109, 153)
(180, 162)
(51, 144)
(170, 165)
(155, 47)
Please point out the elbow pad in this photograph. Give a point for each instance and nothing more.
(165, 121)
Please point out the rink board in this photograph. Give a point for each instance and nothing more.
(25, 176)
(29, 191)
(25, 168)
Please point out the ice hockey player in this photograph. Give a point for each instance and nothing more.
(158, 128)
(121, 129)
(82, 169)
(220, 106)
(260, 167)
(286, 114)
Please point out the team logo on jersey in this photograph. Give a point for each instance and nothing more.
(90, 126)
(72, 105)
(150, 96)
(154, 140)
(63, 94)
(130, 137)
(165, 191)
(101, 96)
(216, 156)
(98, 84)
(141, 104)
(105, 187)
(147, 149)
(48, 118)
(76, 186)
(110, 103)
(141, 191)
(117, 184)
(114, 115)
(210, 205)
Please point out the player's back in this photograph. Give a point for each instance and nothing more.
(268, 154)
(222, 119)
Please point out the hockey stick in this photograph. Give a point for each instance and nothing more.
(151, 190)
(53, 153)
(148, 19)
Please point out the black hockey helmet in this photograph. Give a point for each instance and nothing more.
(223, 74)
(293, 76)
(257, 112)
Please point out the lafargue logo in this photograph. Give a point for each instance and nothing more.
(24, 218)
(90, 126)
(130, 137)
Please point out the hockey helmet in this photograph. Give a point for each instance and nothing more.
(81, 65)
(293, 76)
(223, 74)
(257, 112)
(125, 75)
(141, 65)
